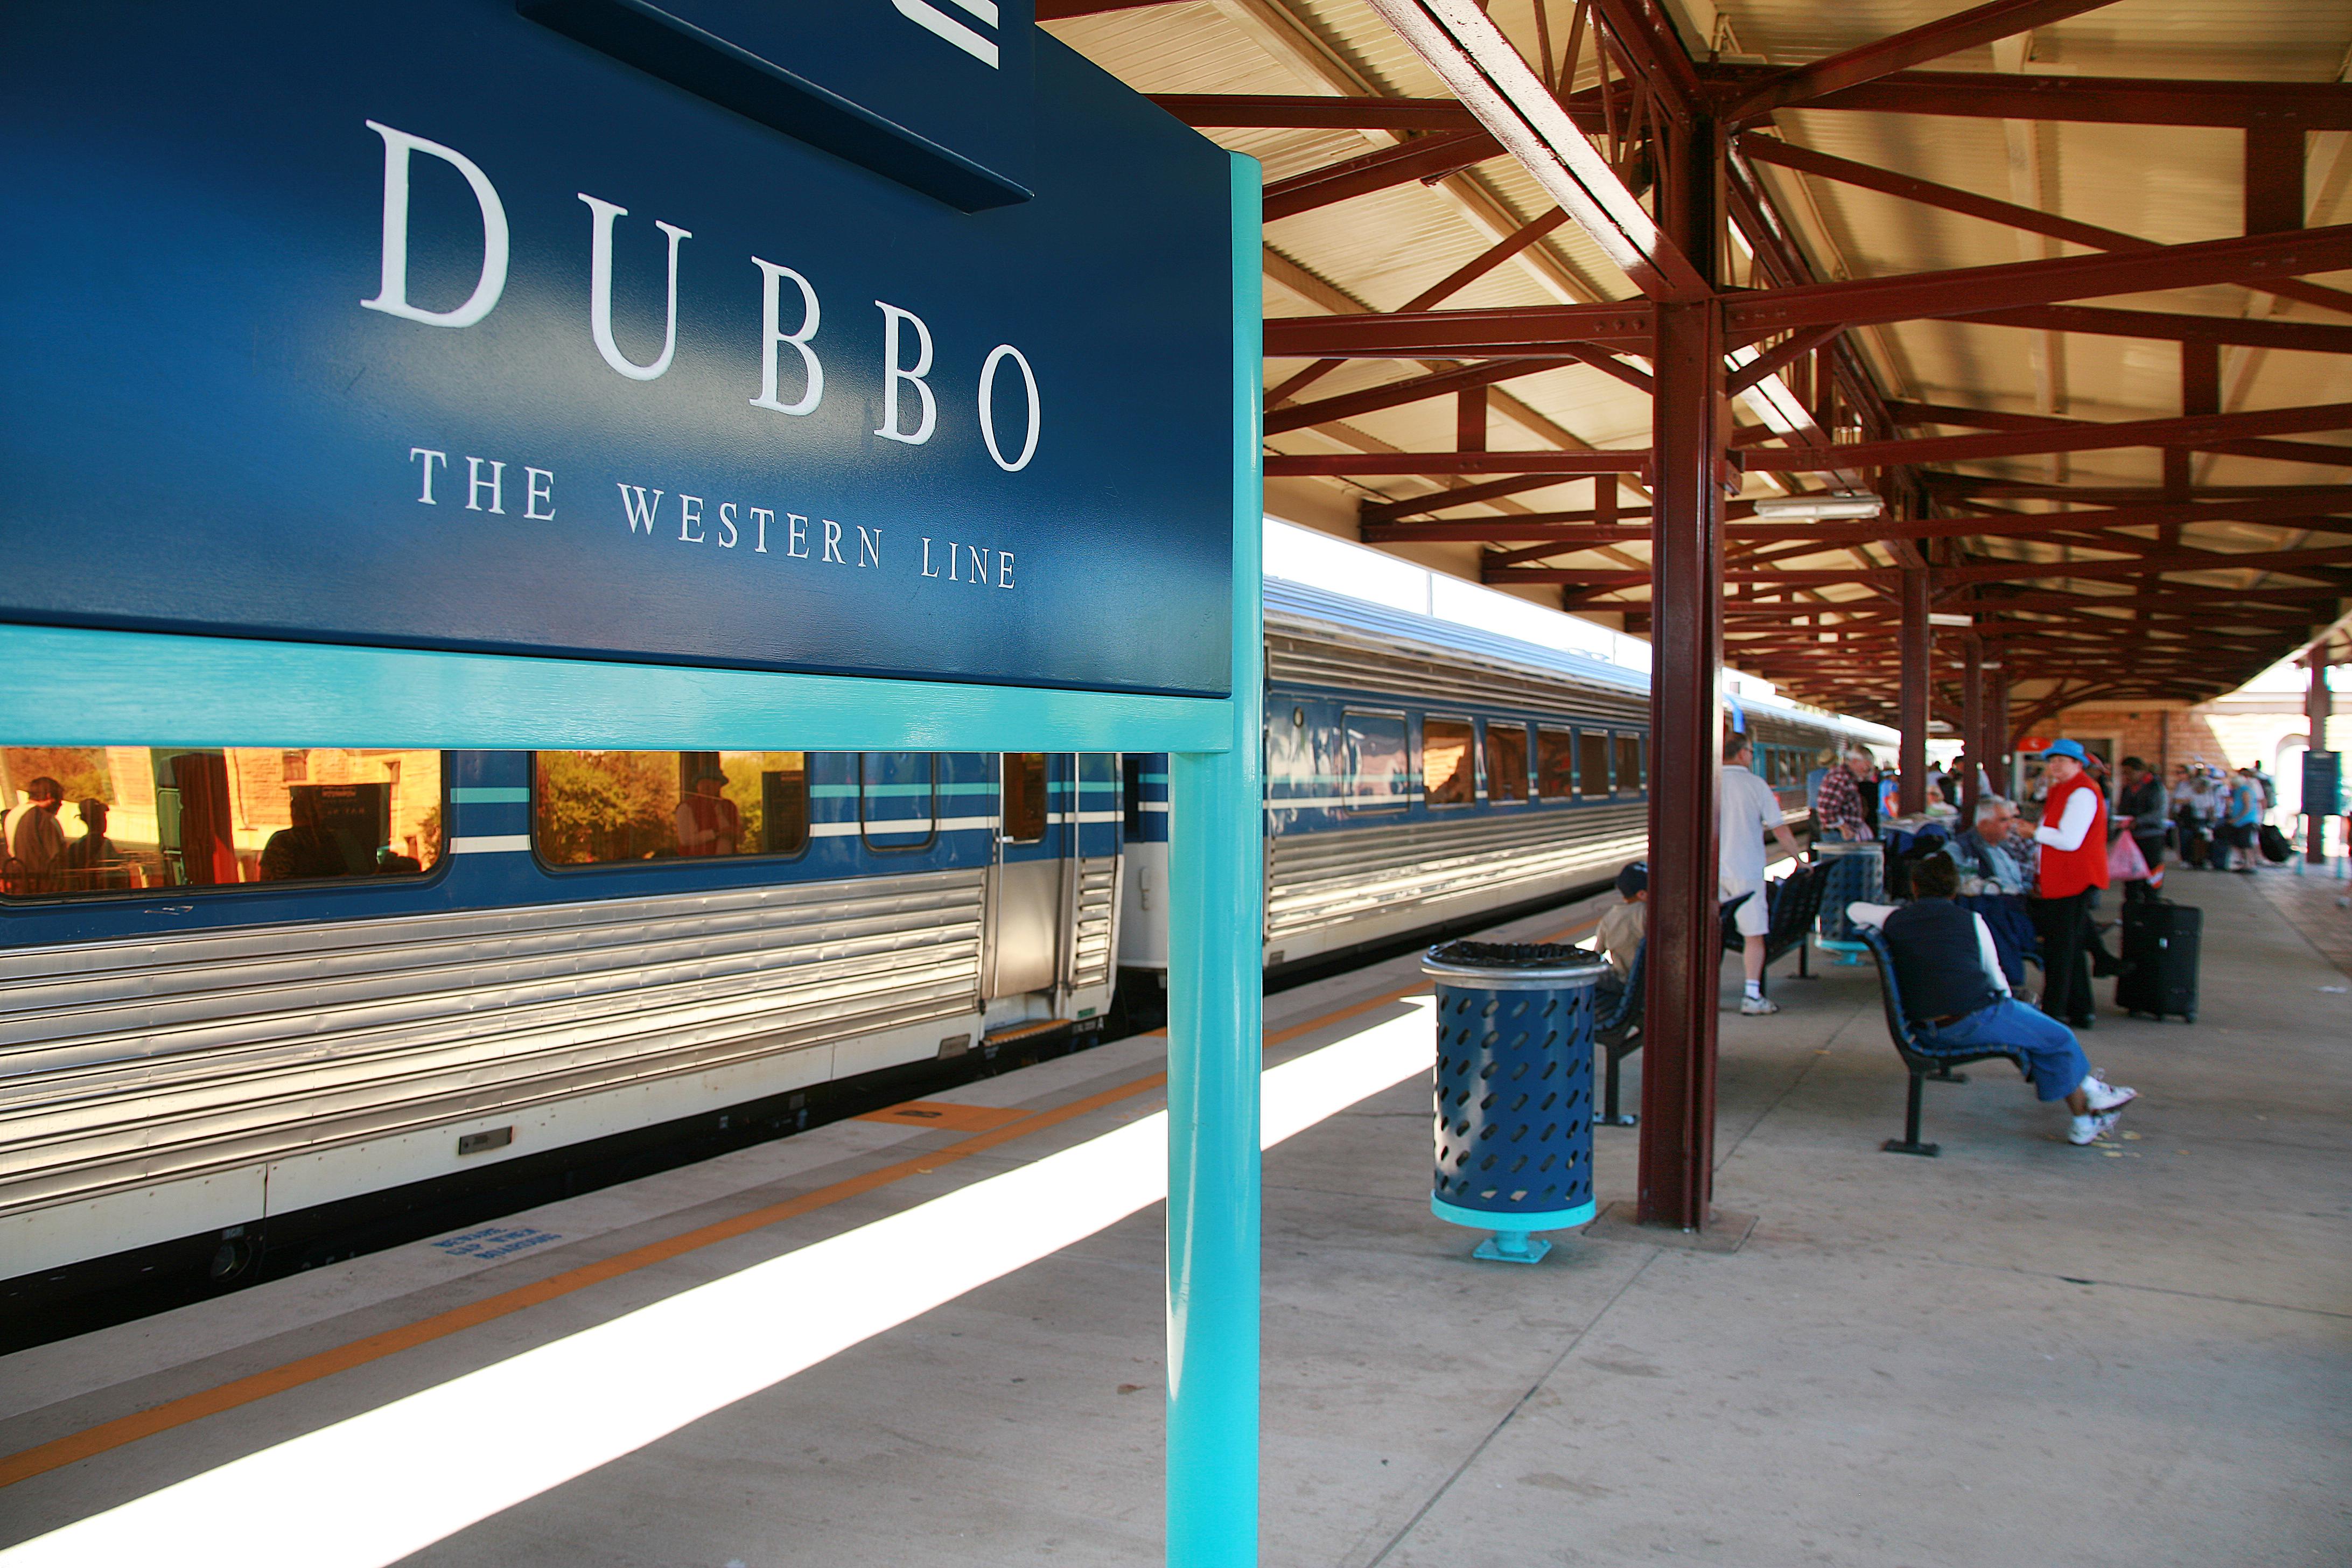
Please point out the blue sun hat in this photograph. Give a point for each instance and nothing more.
(2066, 749)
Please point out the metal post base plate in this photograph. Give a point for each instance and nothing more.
(1512, 1247)
(1900, 1146)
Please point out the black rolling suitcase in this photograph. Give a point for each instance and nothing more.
(2160, 942)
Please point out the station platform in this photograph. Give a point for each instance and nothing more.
(2021, 1351)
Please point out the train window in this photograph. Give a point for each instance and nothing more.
(1507, 762)
(596, 808)
(1131, 795)
(1025, 796)
(1592, 763)
(84, 820)
(1631, 778)
(1449, 768)
(897, 800)
(1379, 761)
(1555, 763)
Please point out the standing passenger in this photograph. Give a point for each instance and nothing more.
(2142, 806)
(1840, 804)
(1746, 809)
(2074, 839)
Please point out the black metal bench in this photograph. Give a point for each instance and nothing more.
(1924, 1061)
(1795, 902)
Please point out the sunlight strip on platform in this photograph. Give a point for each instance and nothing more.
(372, 1489)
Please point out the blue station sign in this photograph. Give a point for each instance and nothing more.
(568, 328)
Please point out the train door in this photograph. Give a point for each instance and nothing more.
(1029, 884)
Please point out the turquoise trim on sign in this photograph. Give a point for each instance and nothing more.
(475, 794)
(76, 687)
(1487, 1219)
(1216, 1023)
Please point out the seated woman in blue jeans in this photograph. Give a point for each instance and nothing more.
(1954, 993)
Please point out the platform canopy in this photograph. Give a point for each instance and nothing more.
(2067, 284)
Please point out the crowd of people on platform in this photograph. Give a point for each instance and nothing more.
(1990, 896)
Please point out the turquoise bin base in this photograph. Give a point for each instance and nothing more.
(1518, 1244)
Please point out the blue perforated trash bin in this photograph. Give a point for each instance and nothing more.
(1857, 873)
(1514, 1090)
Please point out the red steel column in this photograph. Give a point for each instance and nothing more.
(1972, 723)
(1677, 1154)
(1911, 797)
(1997, 723)
(2317, 702)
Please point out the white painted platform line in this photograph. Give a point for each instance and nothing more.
(372, 1489)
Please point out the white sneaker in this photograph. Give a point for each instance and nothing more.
(2104, 1097)
(1758, 1007)
(2089, 1129)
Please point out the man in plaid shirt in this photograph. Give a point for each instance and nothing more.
(1839, 807)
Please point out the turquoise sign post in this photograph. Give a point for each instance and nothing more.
(247, 440)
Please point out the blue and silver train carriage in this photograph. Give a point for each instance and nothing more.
(249, 997)
(1424, 775)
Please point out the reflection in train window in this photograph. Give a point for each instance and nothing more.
(85, 820)
(593, 808)
(1507, 762)
(1555, 763)
(1025, 796)
(1448, 770)
(1379, 762)
(1592, 763)
(1631, 778)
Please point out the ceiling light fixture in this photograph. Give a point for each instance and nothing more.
(1815, 507)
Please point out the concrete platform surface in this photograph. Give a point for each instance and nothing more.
(2020, 1352)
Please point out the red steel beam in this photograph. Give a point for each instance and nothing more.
(2274, 182)
(1557, 539)
(1648, 43)
(2106, 495)
(1326, 465)
(1927, 193)
(2299, 337)
(1484, 70)
(1426, 158)
(2195, 430)
(1948, 578)
(1397, 395)
(1609, 364)
(1509, 334)
(1883, 57)
(2146, 565)
(1964, 291)
(1464, 495)
(1779, 357)
(2086, 100)
(1462, 277)
(1985, 419)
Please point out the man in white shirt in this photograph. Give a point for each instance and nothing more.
(1746, 809)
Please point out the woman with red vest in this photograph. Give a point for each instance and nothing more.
(2074, 839)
